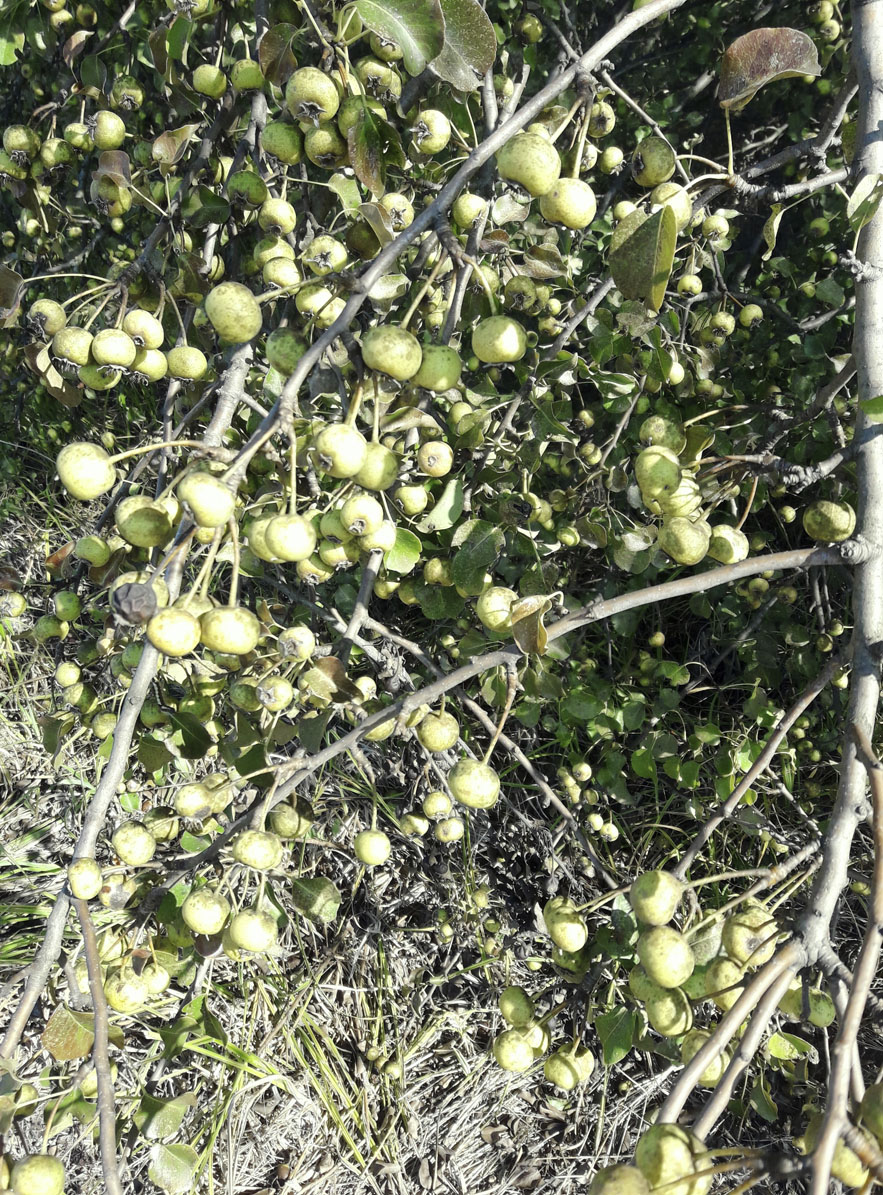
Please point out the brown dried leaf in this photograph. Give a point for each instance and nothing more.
(75, 45)
(158, 42)
(495, 241)
(114, 164)
(274, 53)
(335, 671)
(378, 218)
(55, 562)
(170, 146)
(761, 56)
(10, 293)
(528, 630)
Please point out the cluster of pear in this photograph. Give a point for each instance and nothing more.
(669, 489)
(675, 969)
(132, 348)
(526, 1039)
(668, 1158)
(132, 978)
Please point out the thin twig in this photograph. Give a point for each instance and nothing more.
(101, 1055)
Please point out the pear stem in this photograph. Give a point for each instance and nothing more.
(581, 144)
(729, 141)
(355, 403)
(511, 681)
(124, 456)
(423, 291)
(234, 577)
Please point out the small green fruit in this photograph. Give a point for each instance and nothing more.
(372, 847)
(440, 368)
(512, 1051)
(847, 1166)
(134, 843)
(568, 1066)
(722, 982)
(669, 1012)
(210, 499)
(209, 80)
(565, 926)
(728, 544)
(653, 162)
(474, 784)
(258, 849)
(570, 202)
(232, 630)
(531, 161)
(749, 935)
(85, 470)
(619, 1180)
(340, 450)
(233, 312)
(393, 351)
(85, 878)
(654, 897)
(174, 631)
(253, 930)
(438, 732)
(516, 1007)
(290, 537)
(665, 955)
(205, 911)
(829, 522)
(684, 541)
(37, 1174)
(499, 340)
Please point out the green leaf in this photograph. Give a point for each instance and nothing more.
(862, 205)
(179, 35)
(873, 408)
(543, 262)
(643, 763)
(771, 230)
(195, 739)
(762, 1102)
(158, 1118)
(830, 291)
(618, 1031)
(479, 543)
(405, 552)
(69, 1035)
(786, 1047)
(209, 208)
(417, 26)
(470, 44)
(311, 729)
(366, 142)
(760, 57)
(274, 53)
(153, 754)
(194, 844)
(317, 899)
(71, 1107)
(642, 252)
(10, 291)
(172, 1167)
(447, 510)
(438, 601)
(11, 42)
(347, 191)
